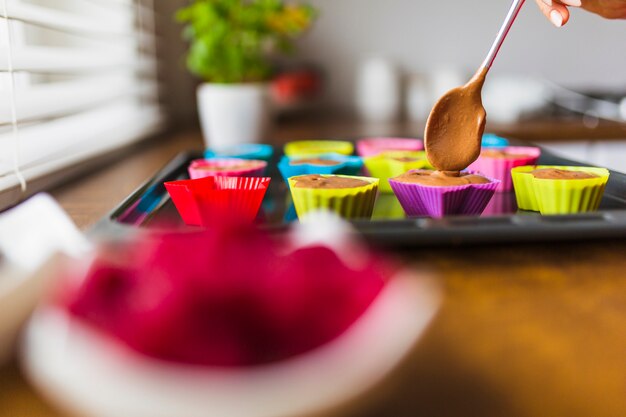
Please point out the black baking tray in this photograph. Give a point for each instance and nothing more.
(149, 208)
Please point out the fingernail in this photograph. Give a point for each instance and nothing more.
(548, 2)
(556, 18)
(573, 3)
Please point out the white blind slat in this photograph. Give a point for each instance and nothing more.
(61, 98)
(128, 133)
(43, 140)
(122, 25)
(73, 60)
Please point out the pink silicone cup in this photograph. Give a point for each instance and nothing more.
(500, 168)
(201, 168)
(500, 205)
(200, 201)
(419, 200)
(375, 146)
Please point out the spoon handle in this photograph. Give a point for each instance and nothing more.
(504, 30)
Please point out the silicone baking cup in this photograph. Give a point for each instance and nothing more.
(219, 167)
(386, 165)
(349, 203)
(500, 168)
(549, 196)
(200, 201)
(256, 151)
(493, 141)
(420, 200)
(388, 207)
(376, 146)
(318, 147)
(348, 165)
(501, 204)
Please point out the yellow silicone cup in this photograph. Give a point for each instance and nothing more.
(349, 203)
(549, 196)
(312, 148)
(524, 188)
(386, 165)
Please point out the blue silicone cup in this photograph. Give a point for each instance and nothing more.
(494, 141)
(245, 151)
(348, 165)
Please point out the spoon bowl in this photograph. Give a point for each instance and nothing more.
(455, 127)
(456, 124)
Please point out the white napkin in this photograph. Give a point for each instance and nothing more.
(31, 234)
(37, 229)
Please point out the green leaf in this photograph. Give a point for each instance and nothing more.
(231, 40)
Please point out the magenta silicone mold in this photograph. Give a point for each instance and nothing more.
(500, 168)
(418, 200)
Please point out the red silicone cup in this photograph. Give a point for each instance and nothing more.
(500, 168)
(375, 146)
(419, 200)
(202, 168)
(201, 201)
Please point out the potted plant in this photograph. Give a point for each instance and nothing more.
(232, 44)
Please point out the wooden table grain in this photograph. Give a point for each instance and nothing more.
(524, 330)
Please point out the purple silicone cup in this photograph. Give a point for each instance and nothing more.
(467, 200)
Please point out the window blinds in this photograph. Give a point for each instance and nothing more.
(77, 78)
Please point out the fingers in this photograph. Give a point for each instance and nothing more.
(573, 3)
(555, 11)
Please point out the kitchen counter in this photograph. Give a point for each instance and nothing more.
(524, 330)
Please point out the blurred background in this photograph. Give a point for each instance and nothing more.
(83, 78)
(441, 42)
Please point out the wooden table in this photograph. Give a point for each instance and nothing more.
(533, 330)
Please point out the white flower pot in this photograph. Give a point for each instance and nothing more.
(232, 114)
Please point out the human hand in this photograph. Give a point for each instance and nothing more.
(558, 13)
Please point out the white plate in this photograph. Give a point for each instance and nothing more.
(89, 375)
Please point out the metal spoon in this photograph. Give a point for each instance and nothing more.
(456, 124)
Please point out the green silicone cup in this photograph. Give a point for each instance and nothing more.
(312, 148)
(549, 196)
(349, 203)
(386, 165)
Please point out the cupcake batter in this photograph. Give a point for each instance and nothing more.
(328, 182)
(406, 159)
(495, 153)
(228, 167)
(561, 174)
(315, 161)
(440, 179)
